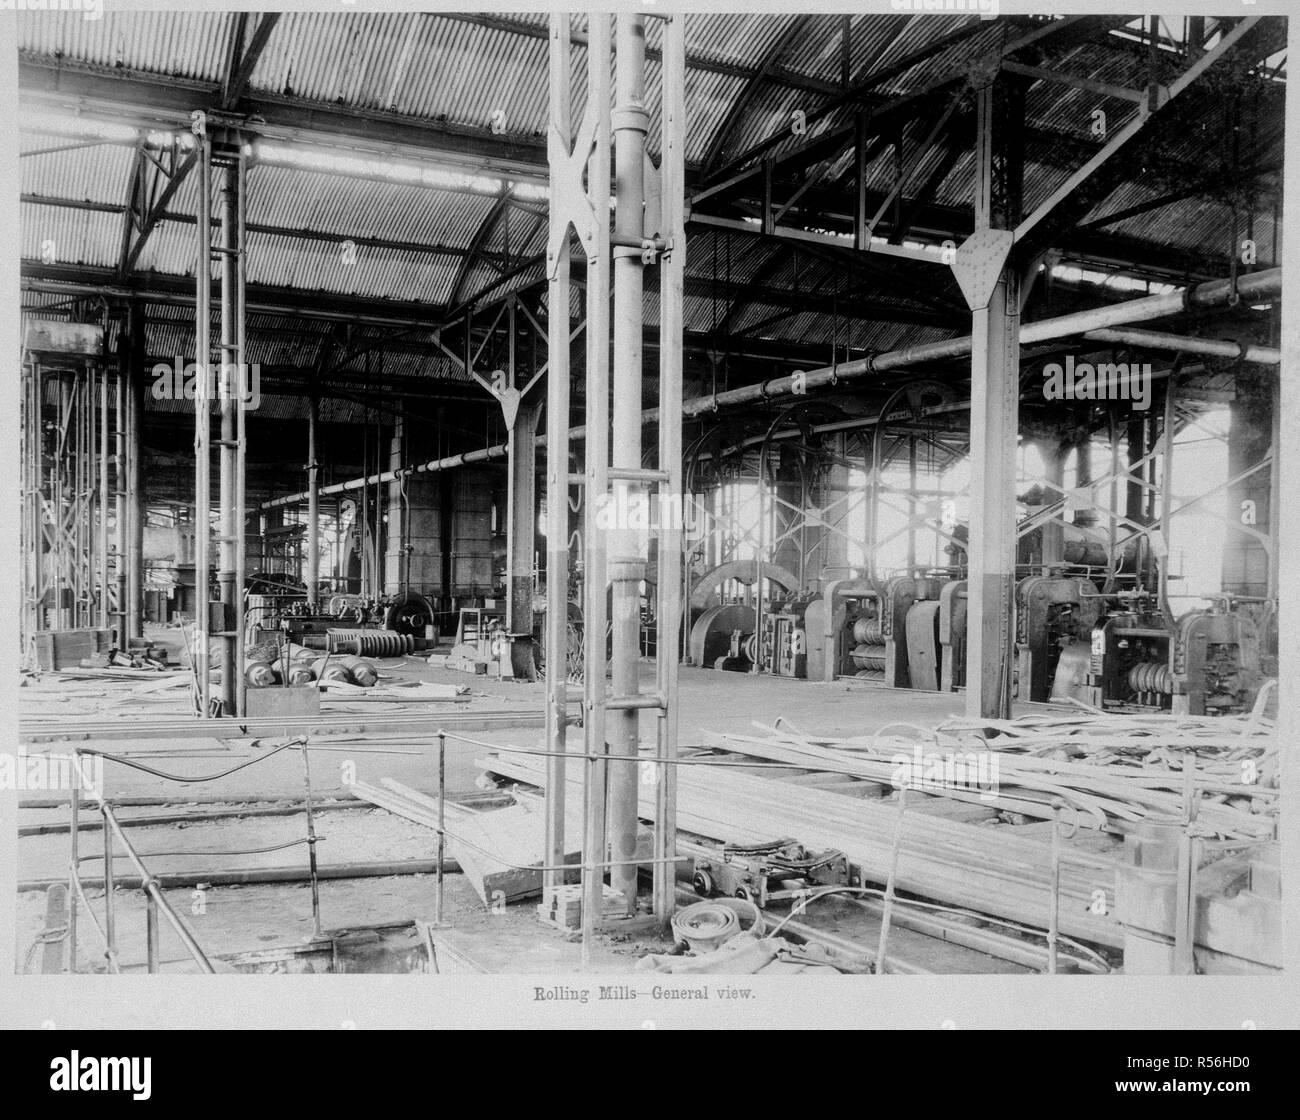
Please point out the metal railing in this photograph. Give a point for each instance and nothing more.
(156, 903)
(590, 870)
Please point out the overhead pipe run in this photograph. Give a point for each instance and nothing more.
(1214, 293)
(464, 459)
(1209, 347)
(1263, 285)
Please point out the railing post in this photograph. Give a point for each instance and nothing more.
(73, 873)
(887, 911)
(151, 931)
(311, 845)
(1054, 913)
(442, 807)
(109, 918)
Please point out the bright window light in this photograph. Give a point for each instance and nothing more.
(60, 124)
(108, 132)
(437, 178)
(166, 139)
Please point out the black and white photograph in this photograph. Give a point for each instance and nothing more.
(649, 516)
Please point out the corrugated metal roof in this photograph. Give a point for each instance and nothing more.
(95, 173)
(62, 235)
(459, 69)
(732, 37)
(709, 96)
(478, 71)
(184, 44)
(293, 198)
(320, 266)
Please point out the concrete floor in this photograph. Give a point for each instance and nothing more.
(251, 917)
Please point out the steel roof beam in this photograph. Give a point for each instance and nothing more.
(148, 221)
(776, 74)
(1160, 97)
(160, 101)
(324, 307)
(241, 63)
(740, 106)
(330, 236)
(477, 245)
(163, 101)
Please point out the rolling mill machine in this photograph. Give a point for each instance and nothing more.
(388, 626)
(888, 633)
(1139, 659)
(765, 634)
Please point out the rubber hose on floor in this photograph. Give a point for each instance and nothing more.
(706, 926)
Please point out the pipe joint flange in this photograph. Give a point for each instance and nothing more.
(626, 569)
(634, 117)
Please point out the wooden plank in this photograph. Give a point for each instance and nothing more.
(499, 851)
(961, 864)
(496, 849)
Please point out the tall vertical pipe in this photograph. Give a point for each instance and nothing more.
(1167, 490)
(31, 526)
(521, 522)
(202, 422)
(135, 476)
(76, 558)
(911, 505)
(630, 122)
(671, 318)
(557, 467)
(39, 569)
(229, 395)
(521, 514)
(1274, 491)
(120, 491)
(86, 487)
(399, 529)
(595, 611)
(246, 386)
(313, 499)
(1113, 529)
(103, 500)
(57, 574)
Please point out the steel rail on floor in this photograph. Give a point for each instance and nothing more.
(187, 727)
